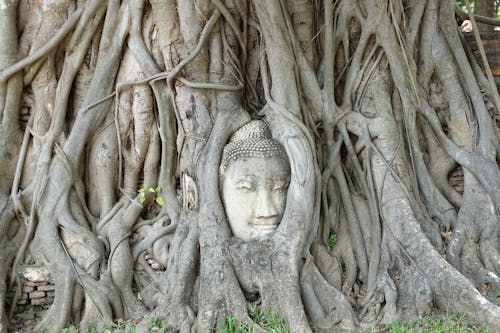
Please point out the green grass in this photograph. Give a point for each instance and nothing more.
(438, 322)
(155, 322)
(432, 324)
(268, 320)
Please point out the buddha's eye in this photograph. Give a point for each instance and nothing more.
(280, 185)
(245, 186)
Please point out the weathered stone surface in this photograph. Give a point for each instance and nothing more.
(26, 315)
(20, 308)
(255, 174)
(35, 283)
(41, 313)
(36, 274)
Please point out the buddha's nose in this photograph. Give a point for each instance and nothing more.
(265, 206)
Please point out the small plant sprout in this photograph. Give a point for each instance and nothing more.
(332, 240)
(156, 191)
(142, 195)
(156, 322)
(117, 325)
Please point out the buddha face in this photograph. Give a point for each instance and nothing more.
(254, 193)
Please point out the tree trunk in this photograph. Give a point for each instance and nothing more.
(113, 183)
(484, 8)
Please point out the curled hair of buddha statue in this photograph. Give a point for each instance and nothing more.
(253, 139)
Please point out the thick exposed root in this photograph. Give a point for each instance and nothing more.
(102, 302)
(11, 234)
(325, 305)
(345, 90)
(473, 247)
(59, 313)
(116, 229)
(176, 306)
(269, 270)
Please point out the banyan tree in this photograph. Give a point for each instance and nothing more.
(115, 116)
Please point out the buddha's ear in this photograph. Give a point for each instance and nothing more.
(299, 162)
(189, 193)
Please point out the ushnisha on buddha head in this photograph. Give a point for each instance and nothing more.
(254, 174)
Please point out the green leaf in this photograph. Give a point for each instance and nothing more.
(141, 190)
(152, 190)
(332, 240)
(160, 201)
(158, 189)
(142, 199)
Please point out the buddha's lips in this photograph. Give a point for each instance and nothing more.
(264, 225)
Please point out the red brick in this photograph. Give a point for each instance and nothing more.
(30, 283)
(41, 301)
(37, 294)
(47, 287)
(28, 289)
(35, 283)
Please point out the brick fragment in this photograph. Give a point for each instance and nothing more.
(37, 294)
(30, 283)
(27, 315)
(19, 308)
(41, 313)
(46, 287)
(40, 301)
(28, 289)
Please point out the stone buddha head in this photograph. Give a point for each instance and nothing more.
(254, 176)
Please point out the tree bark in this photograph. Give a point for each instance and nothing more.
(113, 182)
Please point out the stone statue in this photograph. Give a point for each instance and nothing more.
(254, 177)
